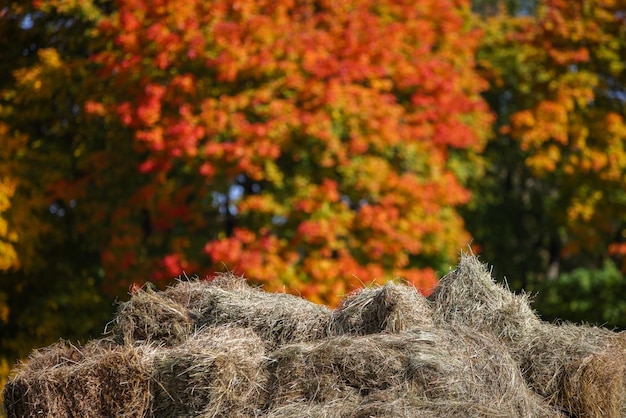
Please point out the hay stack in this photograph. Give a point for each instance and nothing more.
(169, 317)
(222, 348)
(391, 308)
(580, 369)
(217, 372)
(98, 380)
(413, 373)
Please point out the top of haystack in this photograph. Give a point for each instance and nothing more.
(469, 295)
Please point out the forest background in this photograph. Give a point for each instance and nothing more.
(313, 146)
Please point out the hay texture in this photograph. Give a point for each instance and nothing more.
(221, 348)
(217, 372)
(97, 380)
(431, 372)
(391, 308)
(579, 369)
(469, 296)
(169, 317)
(150, 317)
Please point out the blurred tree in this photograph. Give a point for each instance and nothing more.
(554, 197)
(586, 295)
(50, 280)
(310, 145)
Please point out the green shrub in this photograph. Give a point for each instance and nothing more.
(585, 295)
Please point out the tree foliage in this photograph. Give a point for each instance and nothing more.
(586, 295)
(554, 196)
(309, 145)
(312, 146)
(50, 280)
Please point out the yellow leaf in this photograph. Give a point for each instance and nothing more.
(8, 257)
(50, 57)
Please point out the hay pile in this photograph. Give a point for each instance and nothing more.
(579, 369)
(222, 348)
(169, 317)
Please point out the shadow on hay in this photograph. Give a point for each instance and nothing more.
(223, 348)
(217, 372)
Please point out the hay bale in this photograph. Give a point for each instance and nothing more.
(98, 380)
(578, 369)
(277, 318)
(391, 308)
(217, 372)
(171, 316)
(150, 316)
(433, 367)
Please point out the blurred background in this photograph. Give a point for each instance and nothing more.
(313, 146)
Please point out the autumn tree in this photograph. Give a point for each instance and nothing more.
(553, 199)
(312, 146)
(50, 279)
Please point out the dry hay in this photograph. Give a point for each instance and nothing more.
(580, 369)
(436, 371)
(149, 316)
(340, 408)
(223, 348)
(169, 317)
(98, 380)
(468, 295)
(217, 372)
(278, 318)
(391, 308)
